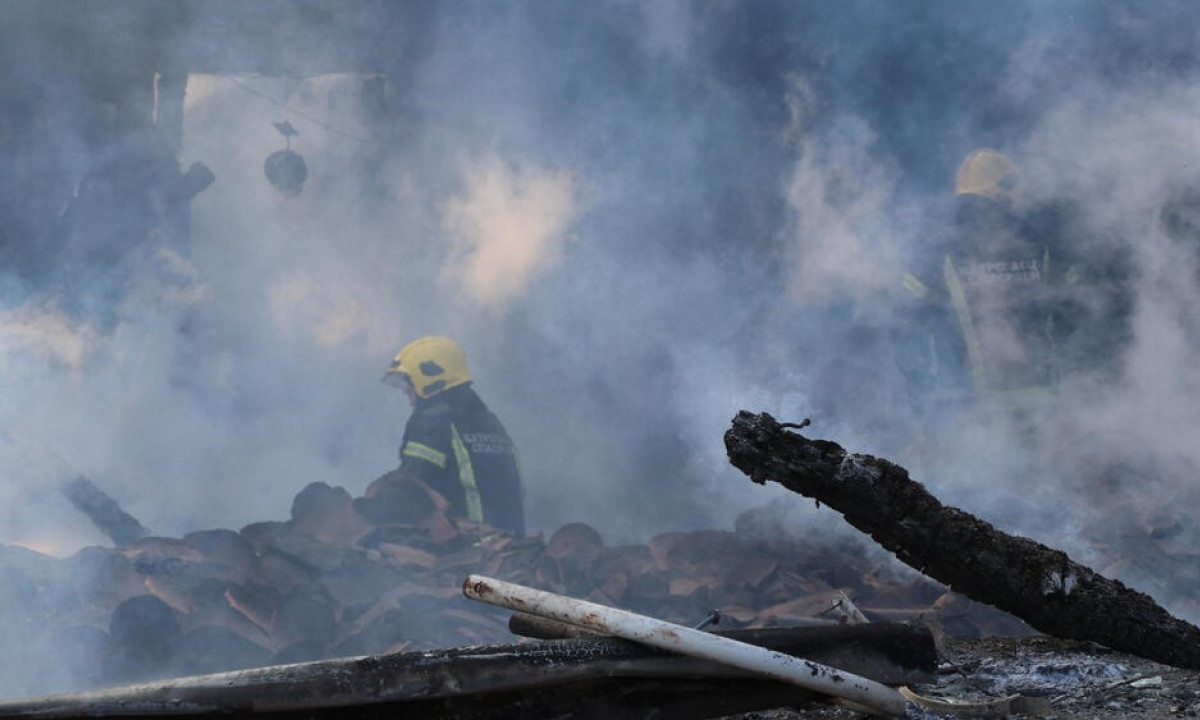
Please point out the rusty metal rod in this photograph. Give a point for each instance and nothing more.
(688, 641)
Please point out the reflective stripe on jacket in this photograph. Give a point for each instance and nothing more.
(1003, 323)
(460, 448)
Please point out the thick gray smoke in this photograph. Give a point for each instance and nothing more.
(638, 218)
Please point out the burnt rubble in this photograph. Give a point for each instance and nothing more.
(1041, 585)
(352, 611)
(104, 512)
(569, 678)
(327, 584)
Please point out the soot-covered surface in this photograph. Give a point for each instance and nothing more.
(1072, 681)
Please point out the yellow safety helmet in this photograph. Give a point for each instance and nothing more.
(989, 173)
(432, 364)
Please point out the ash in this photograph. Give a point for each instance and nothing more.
(1070, 680)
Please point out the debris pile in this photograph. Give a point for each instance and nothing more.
(329, 583)
(1042, 676)
(273, 607)
(581, 678)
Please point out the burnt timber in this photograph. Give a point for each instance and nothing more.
(570, 678)
(104, 512)
(1038, 584)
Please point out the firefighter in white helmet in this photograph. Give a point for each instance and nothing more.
(452, 442)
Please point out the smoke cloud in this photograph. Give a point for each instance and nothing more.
(507, 228)
(637, 218)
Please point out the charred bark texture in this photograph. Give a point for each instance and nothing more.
(1038, 584)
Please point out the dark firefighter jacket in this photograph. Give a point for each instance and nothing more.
(460, 448)
(988, 310)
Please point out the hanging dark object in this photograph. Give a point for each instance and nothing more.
(285, 169)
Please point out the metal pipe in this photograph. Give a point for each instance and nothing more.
(687, 641)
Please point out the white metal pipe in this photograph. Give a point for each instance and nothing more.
(687, 641)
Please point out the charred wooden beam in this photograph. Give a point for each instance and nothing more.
(104, 512)
(476, 682)
(1038, 584)
(584, 699)
(885, 652)
(542, 628)
(613, 699)
(770, 664)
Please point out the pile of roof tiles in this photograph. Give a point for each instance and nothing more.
(329, 583)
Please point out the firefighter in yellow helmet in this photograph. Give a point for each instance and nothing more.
(989, 174)
(452, 442)
(985, 297)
